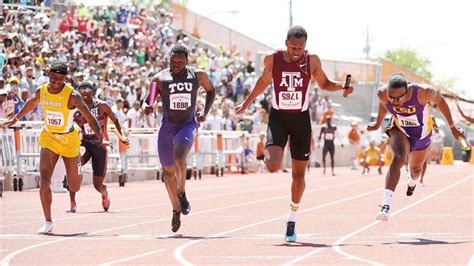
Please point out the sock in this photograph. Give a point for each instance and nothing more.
(293, 209)
(387, 197)
(411, 182)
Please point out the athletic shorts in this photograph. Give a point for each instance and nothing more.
(99, 158)
(172, 134)
(297, 126)
(66, 145)
(416, 144)
(329, 147)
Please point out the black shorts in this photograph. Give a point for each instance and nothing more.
(261, 157)
(295, 125)
(328, 147)
(99, 158)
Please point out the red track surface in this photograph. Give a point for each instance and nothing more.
(240, 220)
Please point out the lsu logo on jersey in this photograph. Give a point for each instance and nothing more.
(291, 80)
(409, 110)
(180, 86)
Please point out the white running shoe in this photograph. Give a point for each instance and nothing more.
(46, 228)
(383, 214)
(57, 187)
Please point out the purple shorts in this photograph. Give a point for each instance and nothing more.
(419, 144)
(171, 134)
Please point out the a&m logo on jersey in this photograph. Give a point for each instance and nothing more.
(181, 86)
(291, 80)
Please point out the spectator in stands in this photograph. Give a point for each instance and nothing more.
(3, 103)
(135, 116)
(214, 120)
(354, 145)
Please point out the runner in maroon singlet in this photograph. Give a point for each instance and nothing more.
(291, 70)
(101, 111)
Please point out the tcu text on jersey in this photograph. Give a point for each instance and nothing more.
(180, 86)
(291, 80)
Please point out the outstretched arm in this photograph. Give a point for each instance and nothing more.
(324, 82)
(29, 106)
(77, 102)
(108, 111)
(431, 95)
(382, 110)
(468, 118)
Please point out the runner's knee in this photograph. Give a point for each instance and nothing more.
(399, 159)
(272, 166)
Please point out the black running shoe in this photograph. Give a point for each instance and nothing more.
(176, 221)
(185, 207)
(290, 235)
(410, 190)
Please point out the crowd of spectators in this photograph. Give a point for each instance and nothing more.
(119, 49)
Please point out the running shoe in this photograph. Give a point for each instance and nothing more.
(73, 207)
(290, 235)
(185, 206)
(176, 221)
(410, 190)
(106, 203)
(383, 214)
(47, 228)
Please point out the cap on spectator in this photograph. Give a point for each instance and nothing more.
(29, 68)
(14, 80)
(45, 50)
(78, 74)
(119, 99)
(3, 92)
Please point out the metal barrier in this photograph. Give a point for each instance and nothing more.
(214, 151)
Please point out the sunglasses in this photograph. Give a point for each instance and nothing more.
(397, 98)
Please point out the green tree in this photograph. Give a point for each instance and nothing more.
(411, 60)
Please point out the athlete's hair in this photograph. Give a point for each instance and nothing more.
(397, 80)
(297, 32)
(180, 49)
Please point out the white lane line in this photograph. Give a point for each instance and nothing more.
(132, 257)
(161, 204)
(178, 252)
(149, 205)
(119, 199)
(6, 260)
(305, 256)
(336, 246)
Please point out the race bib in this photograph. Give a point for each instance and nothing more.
(408, 121)
(54, 118)
(329, 136)
(290, 100)
(88, 130)
(180, 101)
